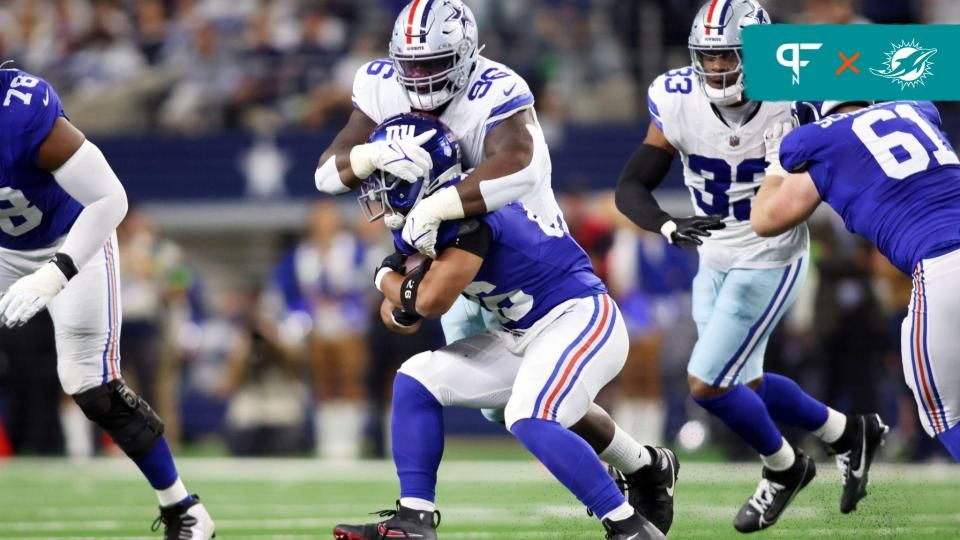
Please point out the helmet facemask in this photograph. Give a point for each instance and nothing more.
(431, 80)
(727, 87)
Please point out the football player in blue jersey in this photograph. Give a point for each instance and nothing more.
(890, 172)
(561, 339)
(60, 203)
(435, 66)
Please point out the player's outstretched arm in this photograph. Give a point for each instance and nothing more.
(80, 169)
(350, 158)
(334, 173)
(643, 173)
(514, 151)
(783, 203)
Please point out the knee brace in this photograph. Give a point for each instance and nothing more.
(124, 415)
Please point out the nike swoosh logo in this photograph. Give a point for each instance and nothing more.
(673, 479)
(510, 91)
(46, 97)
(858, 472)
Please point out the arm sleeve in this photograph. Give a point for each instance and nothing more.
(88, 178)
(474, 236)
(641, 175)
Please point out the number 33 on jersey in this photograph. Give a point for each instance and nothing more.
(34, 210)
(723, 168)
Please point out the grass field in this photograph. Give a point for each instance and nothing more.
(300, 499)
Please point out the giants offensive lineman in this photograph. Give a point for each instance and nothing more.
(745, 283)
(435, 66)
(892, 175)
(60, 203)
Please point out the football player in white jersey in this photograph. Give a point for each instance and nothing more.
(435, 66)
(745, 283)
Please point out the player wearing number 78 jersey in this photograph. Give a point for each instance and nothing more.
(60, 203)
(890, 172)
(745, 283)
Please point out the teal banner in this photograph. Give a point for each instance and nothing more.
(788, 62)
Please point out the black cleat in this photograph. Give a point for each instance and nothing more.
(650, 489)
(185, 521)
(855, 464)
(634, 527)
(774, 494)
(403, 522)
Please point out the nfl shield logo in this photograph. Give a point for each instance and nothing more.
(734, 140)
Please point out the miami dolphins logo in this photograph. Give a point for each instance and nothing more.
(907, 64)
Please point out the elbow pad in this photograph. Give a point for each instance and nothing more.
(499, 192)
(327, 178)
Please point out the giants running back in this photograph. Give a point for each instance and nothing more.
(723, 166)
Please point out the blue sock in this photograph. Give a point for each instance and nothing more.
(742, 410)
(158, 465)
(788, 403)
(572, 461)
(951, 439)
(417, 435)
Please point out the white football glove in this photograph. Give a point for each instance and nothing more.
(402, 158)
(29, 294)
(771, 142)
(423, 222)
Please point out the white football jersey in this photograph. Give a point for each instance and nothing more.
(493, 94)
(723, 167)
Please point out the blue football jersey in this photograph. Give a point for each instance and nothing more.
(34, 210)
(890, 172)
(530, 267)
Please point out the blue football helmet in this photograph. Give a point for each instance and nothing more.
(383, 194)
(808, 112)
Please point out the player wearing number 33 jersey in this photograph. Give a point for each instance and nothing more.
(890, 172)
(745, 283)
(60, 203)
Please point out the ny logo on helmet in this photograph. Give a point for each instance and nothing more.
(794, 62)
(401, 132)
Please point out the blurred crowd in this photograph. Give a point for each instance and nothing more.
(299, 363)
(197, 66)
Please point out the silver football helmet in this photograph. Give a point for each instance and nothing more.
(434, 49)
(716, 38)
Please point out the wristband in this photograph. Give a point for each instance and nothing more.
(378, 279)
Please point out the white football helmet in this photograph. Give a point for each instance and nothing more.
(434, 50)
(717, 31)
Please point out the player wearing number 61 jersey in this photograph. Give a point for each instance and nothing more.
(60, 203)
(890, 172)
(745, 283)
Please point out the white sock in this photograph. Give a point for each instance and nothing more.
(645, 417)
(624, 453)
(77, 431)
(173, 494)
(833, 428)
(619, 513)
(782, 459)
(340, 424)
(414, 503)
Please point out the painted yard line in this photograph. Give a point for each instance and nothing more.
(310, 471)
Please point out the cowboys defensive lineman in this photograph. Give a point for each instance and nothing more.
(60, 203)
(745, 283)
(435, 66)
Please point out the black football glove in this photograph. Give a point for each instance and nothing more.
(403, 319)
(396, 262)
(688, 231)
